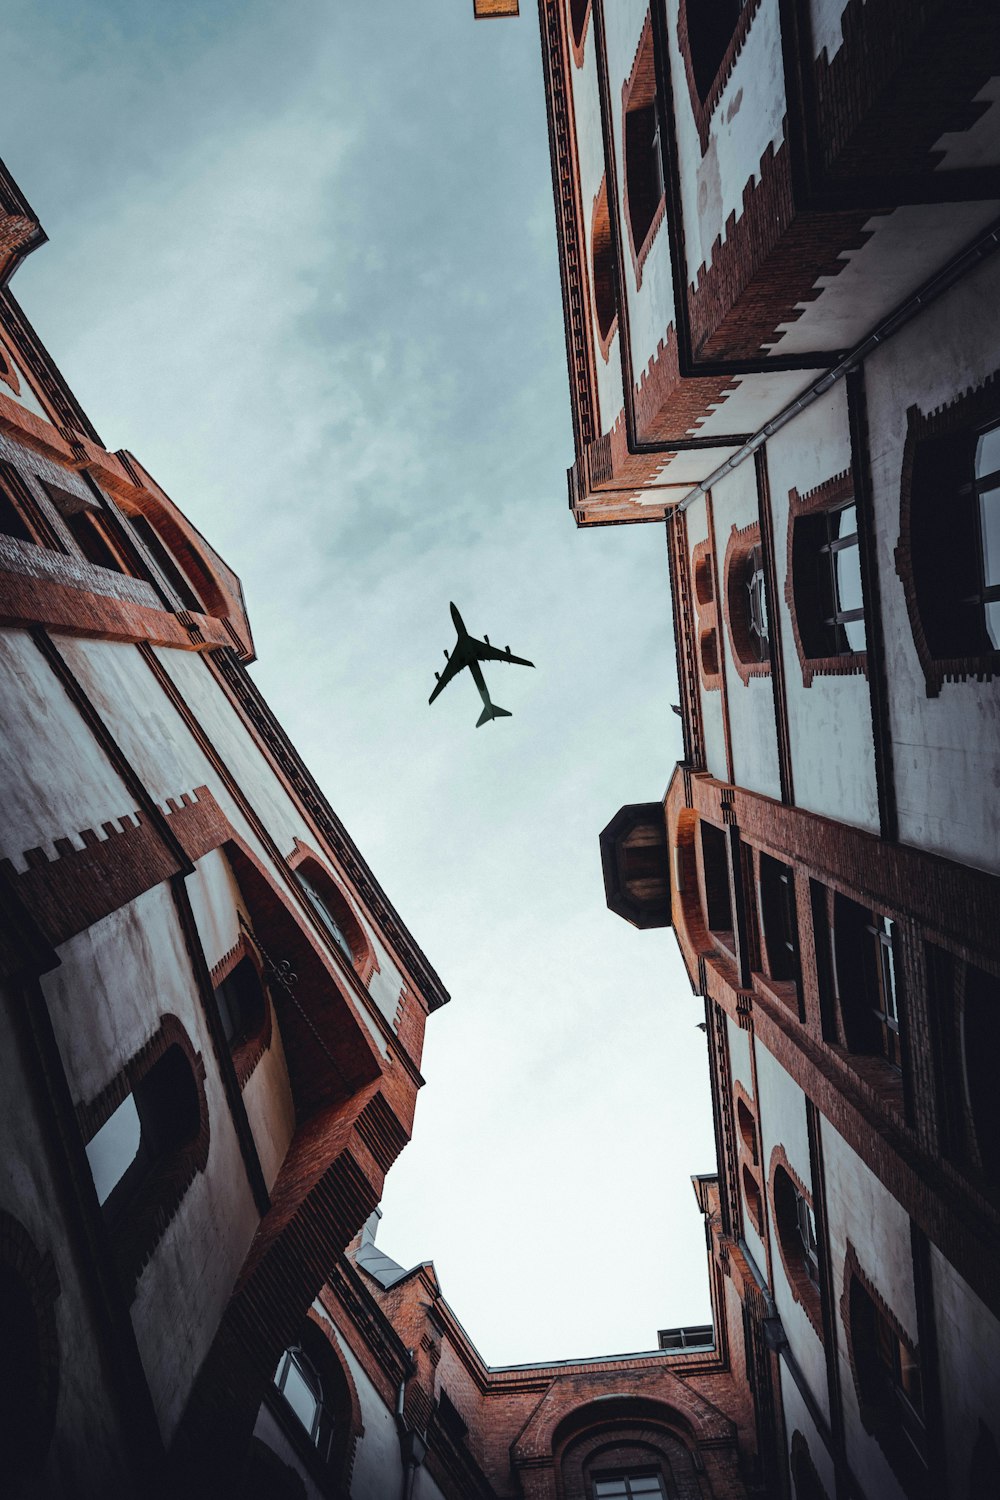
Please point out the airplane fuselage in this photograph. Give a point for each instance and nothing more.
(469, 652)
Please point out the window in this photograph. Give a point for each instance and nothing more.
(746, 603)
(323, 902)
(887, 1378)
(146, 1136)
(241, 1003)
(643, 165)
(867, 980)
(707, 612)
(624, 1486)
(798, 1242)
(167, 564)
(747, 1126)
(778, 919)
(88, 527)
(827, 570)
(12, 523)
(151, 1124)
(579, 15)
(754, 1201)
(299, 1383)
(602, 262)
(955, 540)
(710, 29)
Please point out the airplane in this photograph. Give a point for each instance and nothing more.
(468, 652)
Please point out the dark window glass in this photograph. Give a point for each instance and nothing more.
(241, 1003)
(323, 905)
(578, 18)
(159, 1116)
(299, 1383)
(643, 169)
(867, 980)
(747, 1128)
(11, 520)
(88, 533)
(167, 564)
(888, 1374)
(826, 568)
(955, 542)
(805, 1223)
(710, 29)
(715, 866)
(624, 1486)
(778, 918)
(603, 267)
(756, 604)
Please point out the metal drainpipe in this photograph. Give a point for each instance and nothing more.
(985, 244)
(412, 1446)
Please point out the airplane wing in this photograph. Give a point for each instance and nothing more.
(485, 652)
(455, 665)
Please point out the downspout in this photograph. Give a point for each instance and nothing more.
(412, 1444)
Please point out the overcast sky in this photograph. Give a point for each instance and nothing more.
(303, 264)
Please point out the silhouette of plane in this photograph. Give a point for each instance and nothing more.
(468, 652)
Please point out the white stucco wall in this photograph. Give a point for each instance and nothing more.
(946, 757)
(378, 1468)
(746, 119)
(122, 975)
(713, 721)
(968, 1337)
(54, 778)
(797, 1418)
(590, 165)
(739, 1055)
(861, 1210)
(85, 1457)
(751, 704)
(829, 722)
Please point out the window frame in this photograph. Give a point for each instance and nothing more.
(812, 588)
(644, 197)
(750, 650)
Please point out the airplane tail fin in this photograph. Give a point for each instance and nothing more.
(492, 712)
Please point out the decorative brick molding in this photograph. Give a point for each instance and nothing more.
(786, 1233)
(741, 543)
(619, 1446)
(829, 495)
(766, 260)
(707, 616)
(579, 21)
(29, 1287)
(248, 1052)
(704, 108)
(878, 1417)
(639, 92)
(972, 409)
(149, 1213)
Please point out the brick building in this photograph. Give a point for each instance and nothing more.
(777, 230)
(777, 224)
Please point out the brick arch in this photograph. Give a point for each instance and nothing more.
(574, 1405)
(641, 1443)
(365, 960)
(688, 908)
(343, 1458)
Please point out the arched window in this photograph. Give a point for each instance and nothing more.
(747, 1127)
(887, 1378)
(754, 1200)
(644, 182)
(826, 569)
(747, 613)
(955, 538)
(807, 1482)
(146, 1137)
(602, 264)
(579, 15)
(867, 980)
(706, 609)
(330, 908)
(299, 1383)
(795, 1225)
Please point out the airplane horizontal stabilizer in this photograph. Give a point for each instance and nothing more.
(492, 712)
